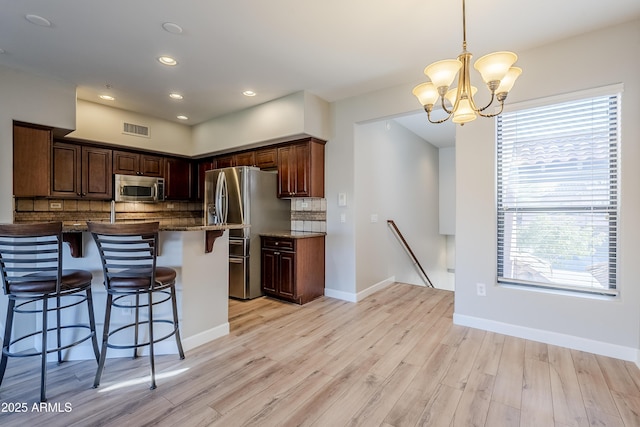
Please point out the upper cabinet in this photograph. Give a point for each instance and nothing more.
(31, 161)
(129, 163)
(81, 171)
(301, 169)
(177, 179)
(247, 158)
(203, 165)
(225, 161)
(267, 158)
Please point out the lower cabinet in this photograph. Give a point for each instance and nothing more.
(293, 268)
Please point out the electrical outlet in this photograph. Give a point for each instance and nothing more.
(481, 289)
(343, 217)
(55, 205)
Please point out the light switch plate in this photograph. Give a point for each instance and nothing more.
(342, 199)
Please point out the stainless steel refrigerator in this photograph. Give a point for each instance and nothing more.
(245, 195)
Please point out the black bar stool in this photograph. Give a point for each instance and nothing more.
(31, 267)
(128, 253)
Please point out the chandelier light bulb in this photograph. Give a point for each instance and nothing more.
(464, 113)
(509, 80)
(494, 66)
(442, 73)
(427, 93)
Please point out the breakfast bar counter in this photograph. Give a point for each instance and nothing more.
(202, 282)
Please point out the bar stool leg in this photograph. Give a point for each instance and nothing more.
(58, 330)
(135, 339)
(151, 345)
(92, 324)
(105, 337)
(174, 304)
(8, 325)
(43, 374)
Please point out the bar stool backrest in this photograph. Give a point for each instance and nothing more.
(31, 249)
(128, 253)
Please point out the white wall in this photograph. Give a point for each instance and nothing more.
(101, 123)
(447, 190)
(292, 116)
(602, 326)
(30, 99)
(396, 177)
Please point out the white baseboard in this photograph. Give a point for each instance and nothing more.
(353, 297)
(201, 338)
(576, 343)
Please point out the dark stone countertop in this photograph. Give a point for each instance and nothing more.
(80, 227)
(293, 234)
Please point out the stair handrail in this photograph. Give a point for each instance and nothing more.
(406, 246)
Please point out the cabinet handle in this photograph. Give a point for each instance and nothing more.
(276, 253)
(84, 194)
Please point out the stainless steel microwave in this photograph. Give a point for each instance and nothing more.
(136, 188)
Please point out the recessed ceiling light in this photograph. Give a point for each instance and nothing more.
(167, 60)
(172, 28)
(174, 95)
(183, 117)
(38, 20)
(107, 97)
(249, 93)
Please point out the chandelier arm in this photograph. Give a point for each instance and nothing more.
(449, 112)
(492, 115)
(493, 97)
(437, 121)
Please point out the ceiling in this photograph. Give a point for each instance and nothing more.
(332, 48)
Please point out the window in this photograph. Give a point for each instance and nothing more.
(557, 191)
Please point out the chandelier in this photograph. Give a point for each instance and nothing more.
(496, 70)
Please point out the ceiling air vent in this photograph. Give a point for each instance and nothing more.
(135, 130)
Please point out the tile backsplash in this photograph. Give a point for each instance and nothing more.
(78, 211)
(309, 214)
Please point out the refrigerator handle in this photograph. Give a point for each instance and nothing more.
(221, 202)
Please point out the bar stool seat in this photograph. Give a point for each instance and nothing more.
(32, 275)
(128, 253)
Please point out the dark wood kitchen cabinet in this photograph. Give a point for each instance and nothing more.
(81, 171)
(177, 178)
(301, 169)
(247, 158)
(200, 168)
(130, 163)
(293, 268)
(267, 158)
(31, 161)
(225, 161)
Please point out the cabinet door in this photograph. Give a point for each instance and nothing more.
(151, 165)
(267, 158)
(126, 163)
(293, 170)
(287, 282)
(177, 179)
(203, 166)
(286, 185)
(66, 173)
(225, 161)
(31, 161)
(97, 173)
(302, 171)
(269, 271)
(245, 159)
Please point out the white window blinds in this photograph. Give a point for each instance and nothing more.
(557, 194)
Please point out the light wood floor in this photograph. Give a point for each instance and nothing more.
(394, 359)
